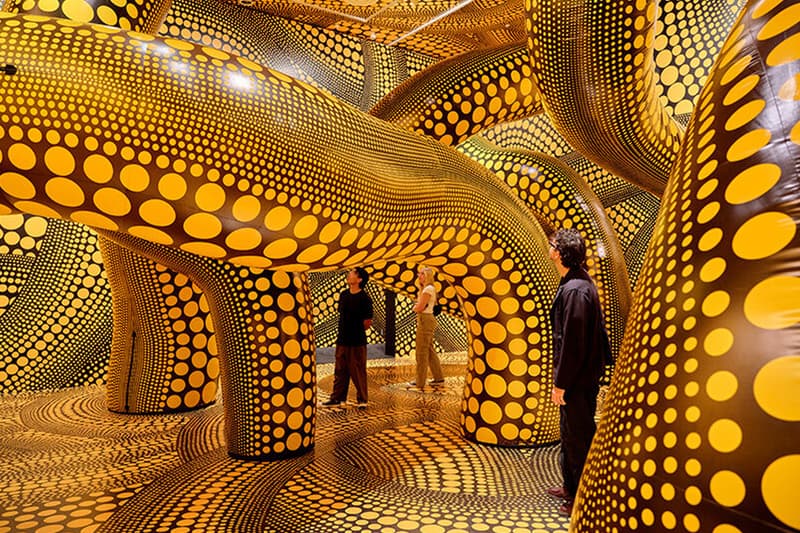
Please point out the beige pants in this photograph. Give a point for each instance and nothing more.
(425, 351)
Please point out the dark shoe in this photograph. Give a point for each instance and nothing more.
(331, 402)
(558, 492)
(436, 381)
(566, 509)
(361, 405)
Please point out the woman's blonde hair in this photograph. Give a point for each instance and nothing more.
(427, 275)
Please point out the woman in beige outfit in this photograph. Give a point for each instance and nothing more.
(426, 325)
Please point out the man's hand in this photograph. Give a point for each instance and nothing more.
(558, 396)
(367, 323)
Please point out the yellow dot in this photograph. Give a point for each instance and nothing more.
(151, 234)
(306, 227)
(716, 303)
(491, 412)
(17, 186)
(243, 239)
(157, 212)
(107, 15)
(781, 491)
(202, 226)
(745, 114)
(134, 177)
(64, 191)
(280, 249)
(772, 303)
(59, 161)
(487, 307)
(763, 235)
(112, 202)
(312, 254)
(786, 51)
(725, 435)
(496, 359)
(494, 332)
(727, 488)
(748, 144)
(204, 248)
(495, 386)
(712, 269)
(210, 197)
(278, 218)
(775, 388)
(246, 208)
(94, 220)
(172, 186)
(718, 342)
(710, 239)
(77, 10)
(752, 183)
(98, 168)
(483, 435)
(35, 226)
(726, 528)
(722, 386)
(22, 156)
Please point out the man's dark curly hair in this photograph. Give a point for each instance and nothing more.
(363, 275)
(570, 245)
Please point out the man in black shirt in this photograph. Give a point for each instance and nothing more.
(355, 317)
(580, 352)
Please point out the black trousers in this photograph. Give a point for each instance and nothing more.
(577, 430)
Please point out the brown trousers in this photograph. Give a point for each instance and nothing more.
(425, 350)
(351, 363)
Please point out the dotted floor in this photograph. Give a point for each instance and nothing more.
(68, 464)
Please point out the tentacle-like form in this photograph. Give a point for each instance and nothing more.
(352, 70)
(559, 197)
(268, 172)
(631, 211)
(163, 354)
(55, 327)
(702, 421)
(264, 338)
(592, 62)
(144, 16)
(457, 98)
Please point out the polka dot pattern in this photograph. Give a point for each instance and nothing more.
(163, 354)
(137, 15)
(75, 466)
(55, 305)
(593, 66)
(560, 198)
(258, 134)
(433, 29)
(263, 341)
(349, 68)
(711, 344)
(462, 96)
(630, 210)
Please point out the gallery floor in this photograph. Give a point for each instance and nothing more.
(68, 464)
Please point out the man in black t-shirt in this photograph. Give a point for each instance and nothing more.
(355, 318)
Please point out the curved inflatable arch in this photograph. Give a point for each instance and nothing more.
(702, 420)
(164, 350)
(544, 182)
(193, 148)
(609, 112)
(630, 210)
(458, 97)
